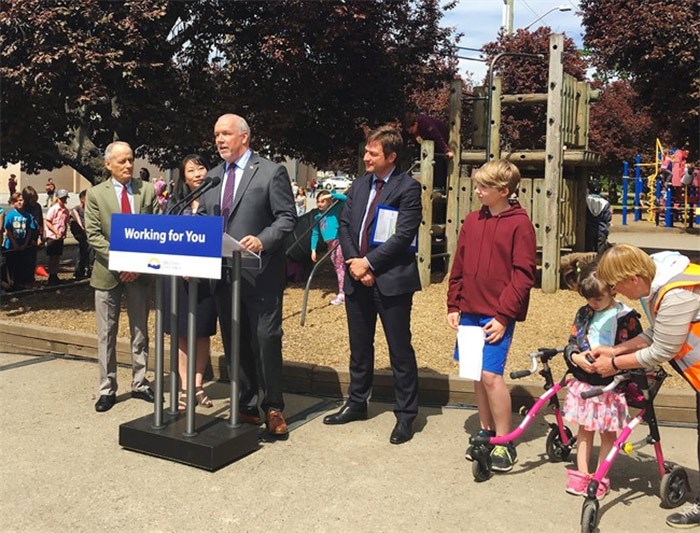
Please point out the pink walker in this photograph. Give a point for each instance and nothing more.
(640, 394)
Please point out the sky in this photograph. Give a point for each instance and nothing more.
(480, 20)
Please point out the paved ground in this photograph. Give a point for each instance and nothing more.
(63, 470)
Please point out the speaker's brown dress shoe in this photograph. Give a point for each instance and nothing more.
(275, 422)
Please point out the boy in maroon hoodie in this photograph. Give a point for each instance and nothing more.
(490, 282)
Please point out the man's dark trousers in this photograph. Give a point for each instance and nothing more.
(362, 306)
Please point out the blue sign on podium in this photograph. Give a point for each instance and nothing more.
(167, 245)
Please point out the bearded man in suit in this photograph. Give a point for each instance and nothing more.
(380, 280)
(119, 194)
(255, 199)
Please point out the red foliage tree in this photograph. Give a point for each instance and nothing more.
(654, 44)
(619, 128)
(524, 127)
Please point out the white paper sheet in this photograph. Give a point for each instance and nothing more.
(470, 344)
(385, 225)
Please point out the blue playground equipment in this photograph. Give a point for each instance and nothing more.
(680, 204)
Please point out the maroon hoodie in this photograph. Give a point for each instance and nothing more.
(494, 266)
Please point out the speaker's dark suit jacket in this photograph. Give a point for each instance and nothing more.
(263, 206)
(396, 279)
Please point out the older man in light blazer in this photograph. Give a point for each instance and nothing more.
(255, 199)
(119, 194)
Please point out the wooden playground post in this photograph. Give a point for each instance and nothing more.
(494, 150)
(553, 167)
(452, 222)
(427, 155)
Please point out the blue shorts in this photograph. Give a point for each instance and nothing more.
(494, 358)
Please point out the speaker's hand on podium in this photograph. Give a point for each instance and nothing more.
(252, 243)
(127, 277)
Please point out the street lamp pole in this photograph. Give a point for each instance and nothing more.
(561, 8)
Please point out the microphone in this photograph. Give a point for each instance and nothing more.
(208, 183)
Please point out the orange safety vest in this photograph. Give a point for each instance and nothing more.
(687, 361)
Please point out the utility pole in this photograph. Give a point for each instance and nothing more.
(507, 21)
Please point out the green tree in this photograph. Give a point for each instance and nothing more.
(78, 74)
(653, 44)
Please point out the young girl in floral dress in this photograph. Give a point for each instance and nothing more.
(607, 322)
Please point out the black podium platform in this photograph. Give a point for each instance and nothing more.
(215, 444)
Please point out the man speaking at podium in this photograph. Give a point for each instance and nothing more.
(255, 199)
(119, 194)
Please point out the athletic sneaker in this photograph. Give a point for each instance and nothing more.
(686, 519)
(503, 457)
(481, 433)
(338, 300)
(577, 482)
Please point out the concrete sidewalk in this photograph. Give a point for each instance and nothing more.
(63, 470)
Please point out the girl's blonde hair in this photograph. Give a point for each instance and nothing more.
(500, 174)
(622, 261)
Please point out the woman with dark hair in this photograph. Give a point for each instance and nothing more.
(192, 172)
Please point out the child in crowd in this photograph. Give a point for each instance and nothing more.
(161, 193)
(300, 201)
(4, 281)
(20, 230)
(328, 229)
(489, 286)
(55, 228)
(83, 265)
(33, 207)
(603, 321)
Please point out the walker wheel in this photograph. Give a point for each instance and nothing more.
(557, 451)
(674, 487)
(589, 516)
(481, 466)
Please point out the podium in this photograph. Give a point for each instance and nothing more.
(203, 441)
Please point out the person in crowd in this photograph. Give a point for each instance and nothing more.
(255, 199)
(602, 321)
(20, 234)
(668, 287)
(33, 207)
(328, 229)
(4, 278)
(192, 171)
(665, 167)
(679, 158)
(421, 128)
(83, 264)
(489, 287)
(144, 174)
(50, 190)
(12, 184)
(313, 184)
(300, 201)
(381, 279)
(598, 219)
(161, 193)
(119, 194)
(55, 229)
